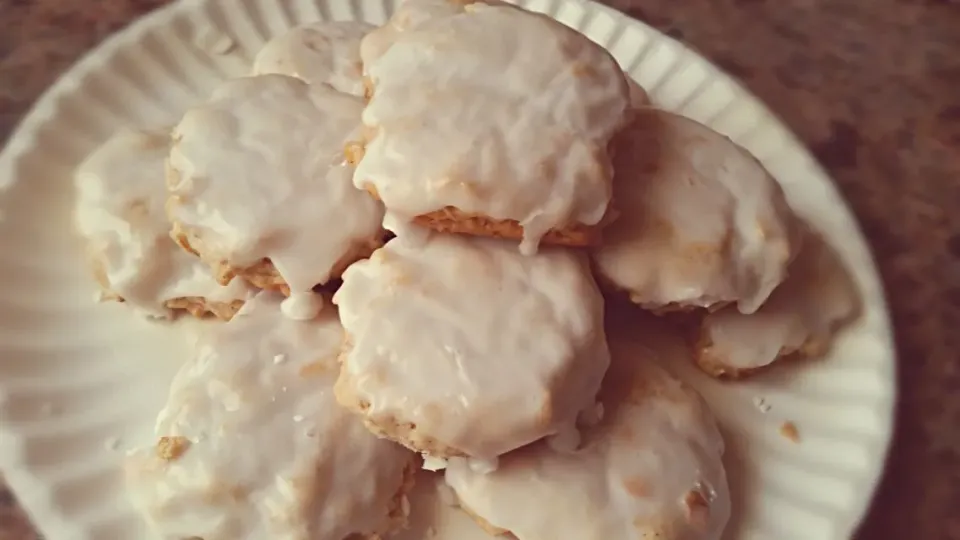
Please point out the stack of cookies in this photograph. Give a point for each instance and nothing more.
(412, 231)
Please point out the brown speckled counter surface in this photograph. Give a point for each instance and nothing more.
(873, 87)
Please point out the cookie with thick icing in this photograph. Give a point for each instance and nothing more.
(489, 120)
(259, 189)
(701, 223)
(461, 346)
(648, 465)
(120, 214)
(251, 443)
(799, 320)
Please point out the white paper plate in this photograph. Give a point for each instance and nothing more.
(77, 379)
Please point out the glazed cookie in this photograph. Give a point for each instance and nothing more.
(252, 444)
(120, 199)
(798, 320)
(322, 52)
(512, 144)
(259, 188)
(703, 224)
(464, 347)
(649, 467)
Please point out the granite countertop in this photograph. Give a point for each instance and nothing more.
(873, 87)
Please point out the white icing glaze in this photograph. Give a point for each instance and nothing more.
(651, 469)
(482, 466)
(262, 175)
(322, 52)
(270, 455)
(482, 348)
(302, 306)
(817, 297)
(408, 15)
(701, 222)
(120, 213)
(517, 128)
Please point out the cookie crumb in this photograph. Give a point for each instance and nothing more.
(171, 448)
(353, 152)
(279, 359)
(789, 431)
(761, 404)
